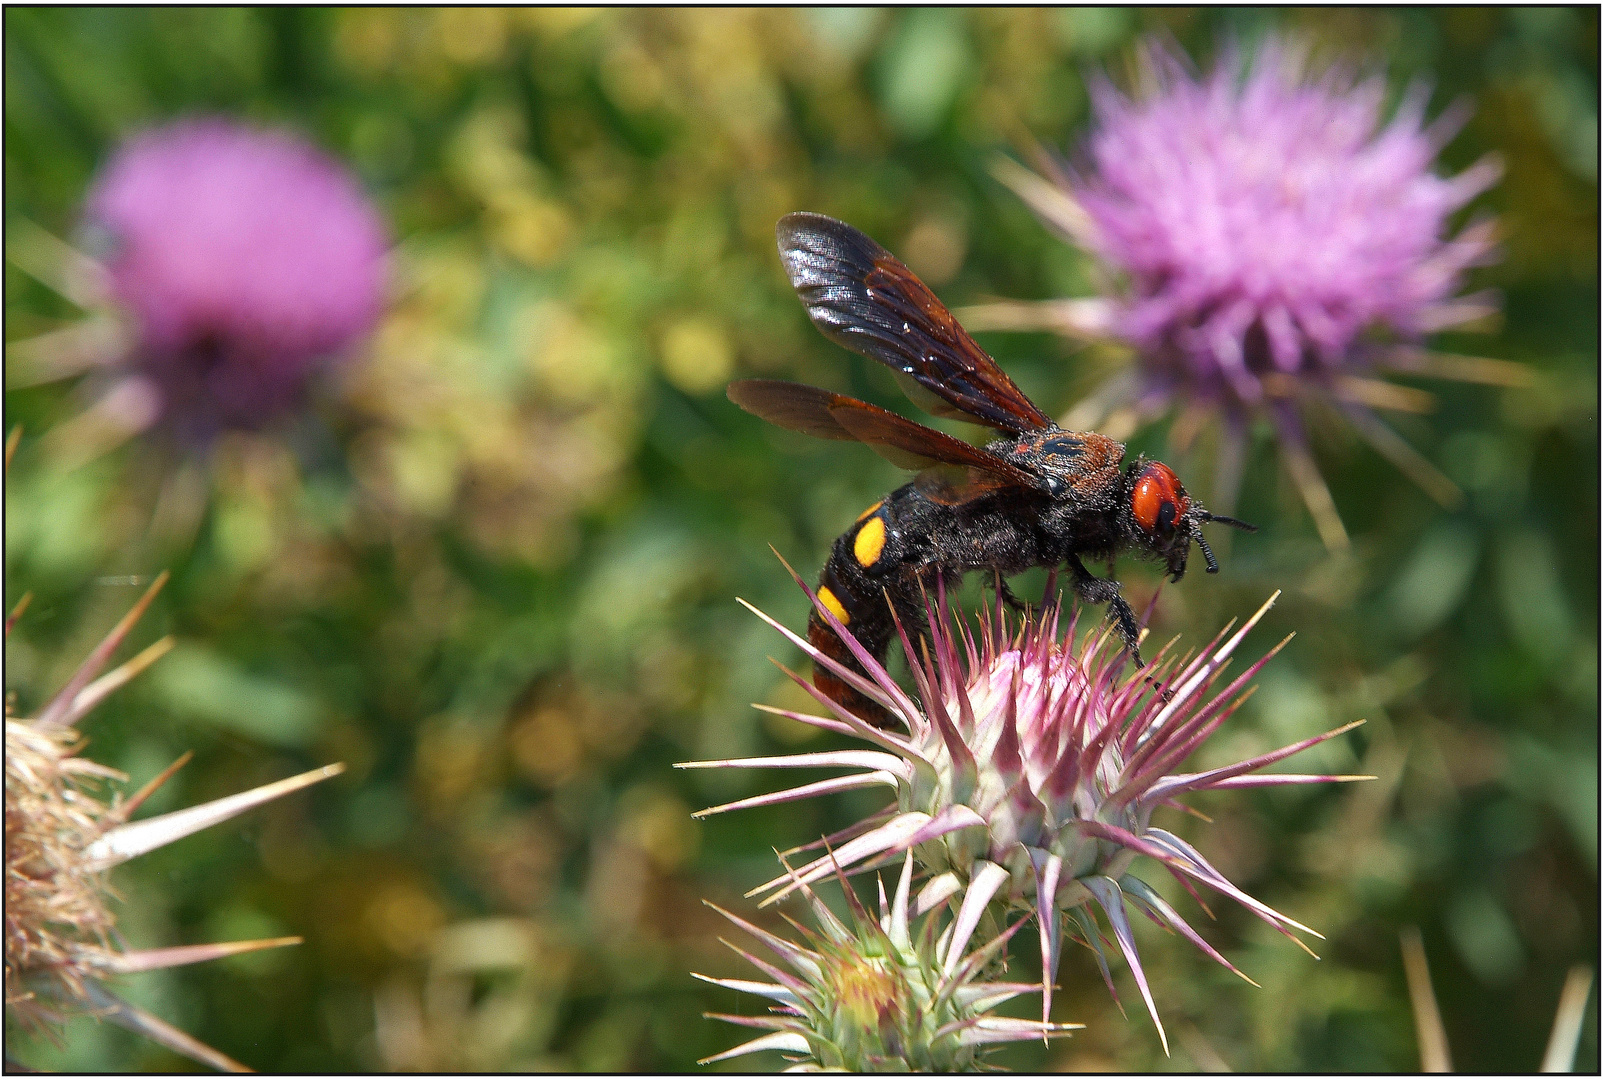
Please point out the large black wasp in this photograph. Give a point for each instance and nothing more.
(1037, 496)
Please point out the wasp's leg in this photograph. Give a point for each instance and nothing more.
(1005, 594)
(1094, 590)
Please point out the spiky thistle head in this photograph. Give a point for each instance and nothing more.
(65, 828)
(1268, 236)
(1027, 772)
(881, 994)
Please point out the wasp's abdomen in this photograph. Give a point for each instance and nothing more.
(863, 577)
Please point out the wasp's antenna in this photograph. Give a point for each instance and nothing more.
(1222, 520)
(1207, 554)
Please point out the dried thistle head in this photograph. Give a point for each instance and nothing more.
(57, 923)
(65, 828)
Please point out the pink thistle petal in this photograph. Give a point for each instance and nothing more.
(61, 705)
(937, 890)
(1048, 868)
(1146, 895)
(984, 879)
(27, 597)
(1093, 941)
(101, 688)
(128, 963)
(1109, 896)
(820, 722)
(1285, 778)
(801, 959)
(247, 259)
(804, 791)
(900, 833)
(855, 759)
(1173, 709)
(1193, 862)
(796, 1044)
(771, 991)
(1173, 785)
(127, 841)
(108, 1006)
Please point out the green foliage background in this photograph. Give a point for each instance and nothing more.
(494, 571)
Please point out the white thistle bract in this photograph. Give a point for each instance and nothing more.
(1027, 773)
(881, 995)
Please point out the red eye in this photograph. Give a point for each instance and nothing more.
(1159, 501)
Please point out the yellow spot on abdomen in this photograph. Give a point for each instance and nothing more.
(870, 510)
(870, 542)
(832, 602)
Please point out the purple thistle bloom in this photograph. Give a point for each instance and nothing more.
(1028, 774)
(1266, 221)
(1272, 235)
(246, 259)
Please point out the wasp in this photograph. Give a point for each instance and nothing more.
(1037, 495)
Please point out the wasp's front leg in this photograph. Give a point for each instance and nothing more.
(1091, 589)
(1005, 594)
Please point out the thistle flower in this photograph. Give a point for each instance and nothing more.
(1273, 239)
(244, 260)
(245, 257)
(1028, 771)
(880, 995)
(61, 838)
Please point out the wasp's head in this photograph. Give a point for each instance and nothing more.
(1169, 521)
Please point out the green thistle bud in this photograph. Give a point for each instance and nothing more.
(878, 996)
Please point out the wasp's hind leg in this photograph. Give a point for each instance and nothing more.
(1091, 589)
(1006, 594)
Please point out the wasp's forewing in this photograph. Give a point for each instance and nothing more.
(860, 296)
(904, 443)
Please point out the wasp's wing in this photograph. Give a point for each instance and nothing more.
(953, 486)
(909, 445)
(860, 296)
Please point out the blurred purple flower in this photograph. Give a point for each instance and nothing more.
(1273, 237)
(247, 259)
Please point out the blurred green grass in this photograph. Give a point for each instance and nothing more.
(494, 569)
